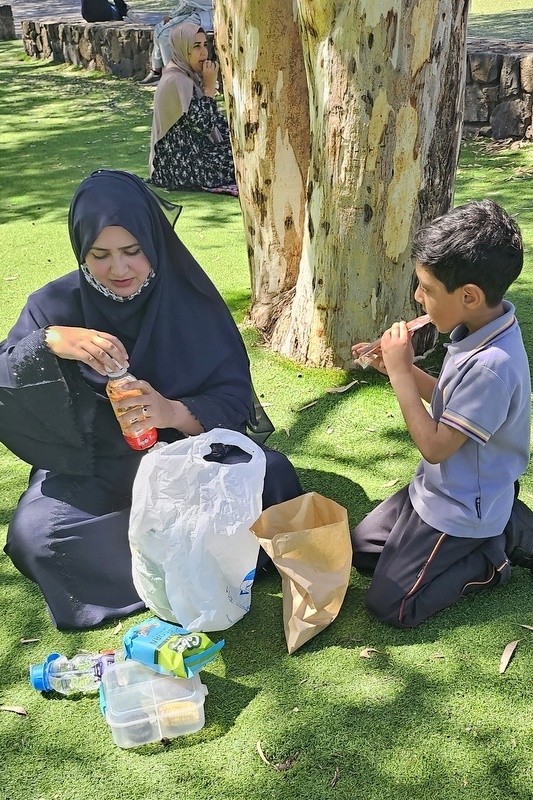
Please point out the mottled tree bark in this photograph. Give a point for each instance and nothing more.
(265, 87)
(384, 86)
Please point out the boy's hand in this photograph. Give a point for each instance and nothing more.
(397, 350)
(377, 360)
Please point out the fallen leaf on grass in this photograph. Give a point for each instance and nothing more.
(338, 389)
(329, 431)
(262, 755)
(15, 709)
(367, 652)
(117, 628)
(281, 766)
(11, 278)
(335, 777)
(391, 483)
(287, 431)
(29, 641)
(507, 655)
(529, 627)
(309, 405)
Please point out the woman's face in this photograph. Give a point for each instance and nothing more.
(117, 261)
(199, 52)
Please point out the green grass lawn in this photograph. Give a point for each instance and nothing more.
(505, 19)
(428, 716)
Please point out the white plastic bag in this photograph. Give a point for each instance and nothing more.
(193, 554)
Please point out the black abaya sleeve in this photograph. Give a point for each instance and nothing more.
(46, 408)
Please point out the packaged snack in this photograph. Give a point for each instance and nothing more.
(170, 649)
(372, 350)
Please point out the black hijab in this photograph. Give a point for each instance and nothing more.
(179, 333)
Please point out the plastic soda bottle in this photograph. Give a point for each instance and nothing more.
(139, 435)
(83, 673)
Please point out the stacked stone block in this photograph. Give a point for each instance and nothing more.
(113, 47)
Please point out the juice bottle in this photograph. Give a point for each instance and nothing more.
(139, 435)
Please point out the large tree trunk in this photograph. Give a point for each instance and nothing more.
(265, 87)
(385, 86)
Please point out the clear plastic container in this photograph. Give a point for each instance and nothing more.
(142, 706)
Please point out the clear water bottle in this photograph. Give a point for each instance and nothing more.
(83, 673)
(139, 435)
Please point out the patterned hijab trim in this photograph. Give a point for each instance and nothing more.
(91, 280)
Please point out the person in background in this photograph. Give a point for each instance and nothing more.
(137, 298)
(457, 527)
(103, 11)
(198, 11)
(190, 145)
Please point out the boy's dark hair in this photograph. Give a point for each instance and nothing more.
(476, 243)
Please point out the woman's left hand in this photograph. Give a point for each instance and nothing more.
(149, 405)
(158, 411)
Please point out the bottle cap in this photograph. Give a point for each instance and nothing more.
(118, 372)
(39, 673)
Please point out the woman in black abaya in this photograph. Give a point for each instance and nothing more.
(137, 298)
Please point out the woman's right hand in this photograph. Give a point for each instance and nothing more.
(94, 348)
(210, 77)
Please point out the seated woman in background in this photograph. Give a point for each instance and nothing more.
(103, 11)
(138, 297)
(190, 145)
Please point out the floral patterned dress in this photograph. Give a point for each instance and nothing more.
(186, 157)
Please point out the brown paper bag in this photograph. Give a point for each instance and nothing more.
(308, 539)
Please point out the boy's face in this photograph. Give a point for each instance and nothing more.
(445, 309)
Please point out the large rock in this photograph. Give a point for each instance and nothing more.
(7, 24)
(511, 119)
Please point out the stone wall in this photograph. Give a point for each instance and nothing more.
(114, 47)
(499, 89)
(499, 85)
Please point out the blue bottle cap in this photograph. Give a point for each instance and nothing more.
(39, 673)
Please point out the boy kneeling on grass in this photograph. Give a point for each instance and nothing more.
(457, 527)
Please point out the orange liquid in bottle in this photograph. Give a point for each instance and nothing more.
(139, 435)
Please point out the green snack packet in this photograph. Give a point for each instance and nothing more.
(170, 649)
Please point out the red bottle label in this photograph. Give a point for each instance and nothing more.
(144, 440)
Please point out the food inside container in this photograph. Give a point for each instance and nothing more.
(142, 706)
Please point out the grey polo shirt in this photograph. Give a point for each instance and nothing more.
(483, 390)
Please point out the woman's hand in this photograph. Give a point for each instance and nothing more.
(94, 348)
(157, 410)
(210, 77)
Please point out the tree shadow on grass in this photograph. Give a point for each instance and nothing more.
(108, 126)
(517, 25)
